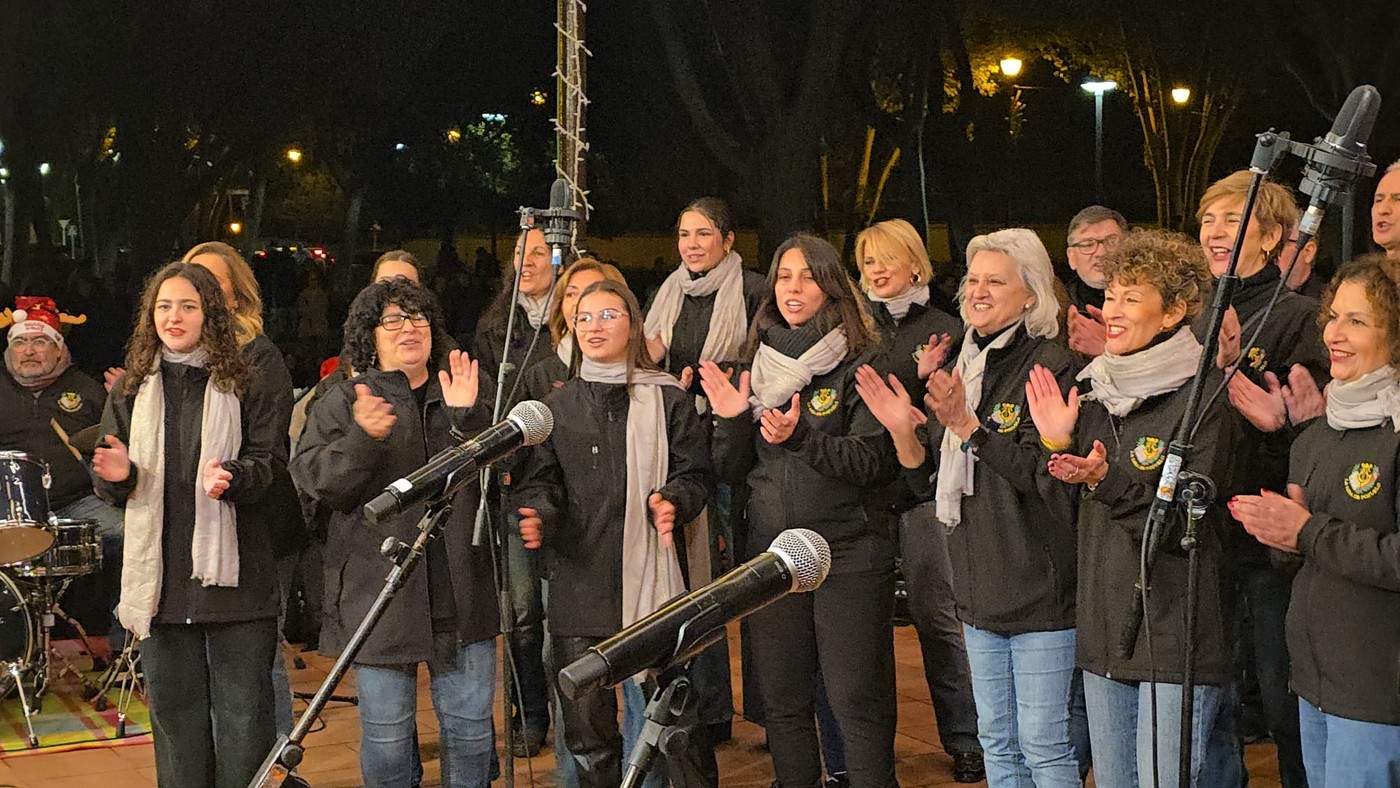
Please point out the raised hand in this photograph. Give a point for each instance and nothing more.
(111, 462)
(1072, 469)
(1271, 518)
(726, 401)
(374, 414)
(1087, 334)
(947, 398)
(111, 376)
(1264, 408)
(1229, 351)
(461, 384)
(934, 355)
(531, 529)
(656, 348)
(663, 517)
(1301, 396)
(216, 480)
(889, 403)
(1054, 415)
(777, 425)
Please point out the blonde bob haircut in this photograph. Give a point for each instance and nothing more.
(1274, 206)
(1022, 247)
(889, 241)
(247, 296)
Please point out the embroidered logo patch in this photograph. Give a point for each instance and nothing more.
(1149, 453)
(1007, 416)
(919, 352)
(70, 401)
(1363, 482)
(1258, 359)
(823, 402)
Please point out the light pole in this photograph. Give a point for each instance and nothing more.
(1098, 88)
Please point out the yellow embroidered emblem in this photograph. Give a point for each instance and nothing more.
(919, 352)
(1007, 416)
(70, 401)
(823, 402)
(1149, 453)
(1363, 482)
(1258, 359)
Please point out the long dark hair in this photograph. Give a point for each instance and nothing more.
(494, 317)
(368, 307)
(218, 335)
(637, 356)
(844, 305)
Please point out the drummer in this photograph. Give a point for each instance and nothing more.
(44, 402)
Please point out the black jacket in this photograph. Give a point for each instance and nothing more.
(280, 504)
(261, 458)
(1344, 616)
(820, 477)
(693, 325)
(1081, 295)
(577, 480)
(490, 339)
(342, 467)
(75, 402)
(1111, 522)
(1013, 560)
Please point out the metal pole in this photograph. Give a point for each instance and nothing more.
(1098, 146)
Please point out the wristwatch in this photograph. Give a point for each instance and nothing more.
(976, 439)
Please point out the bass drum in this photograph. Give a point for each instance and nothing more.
(16, 633)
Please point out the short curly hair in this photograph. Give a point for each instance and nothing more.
(1168, 261)
(1380, 277)
(368, 306)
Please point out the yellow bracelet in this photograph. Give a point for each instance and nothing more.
(1048, 445)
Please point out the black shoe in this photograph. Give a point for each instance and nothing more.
(967, 767)
(527, 744)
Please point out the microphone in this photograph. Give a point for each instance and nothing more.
(560, 220)
(796, 562)
(528, 424)
(1334, 162)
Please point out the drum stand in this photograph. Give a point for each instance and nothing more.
(49, 612)
(14, 668)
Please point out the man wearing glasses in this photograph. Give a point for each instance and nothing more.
(1093, 234)
(1302, 278)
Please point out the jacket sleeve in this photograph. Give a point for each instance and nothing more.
(336, 460)
(732, 447)
(863, 456)
(691, 481)
(116, 420)
(267, 417)
(920, 480)
(1361, 555)
(540, 486)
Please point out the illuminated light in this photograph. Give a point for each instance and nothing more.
(454, 136)
(235, 227)
(4, 173)
(1099, 87)
(1181, 95)
(294, 155)
(318, 252)
(1011, 66)
(493, 117)
(401, 146)
(538, 97)
(45, 168)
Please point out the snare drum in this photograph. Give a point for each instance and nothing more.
(24, 507)
(77, 550)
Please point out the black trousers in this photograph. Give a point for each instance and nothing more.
(844, 628)
(211, 700)
(592, 733)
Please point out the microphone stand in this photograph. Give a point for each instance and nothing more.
(278, 769)
(667, 727)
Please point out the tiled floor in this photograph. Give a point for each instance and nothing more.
(332, 754)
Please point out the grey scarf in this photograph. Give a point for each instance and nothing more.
(1364, 402)
(1121, 383)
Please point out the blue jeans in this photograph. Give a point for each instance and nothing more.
(634, 716)
(1342, 752)
(1120, 726)
(463, 687)
(1021, 684)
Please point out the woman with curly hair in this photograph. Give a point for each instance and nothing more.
(1110, 451)
(364, 433)
(1339, 516)
(190, 442)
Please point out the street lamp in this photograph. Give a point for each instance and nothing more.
(1181, 95)
(1011, 66)
(294, 155)
(1098, 88)
(45, 168)
(235, 227)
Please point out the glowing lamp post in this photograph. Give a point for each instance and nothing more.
(1098, 88)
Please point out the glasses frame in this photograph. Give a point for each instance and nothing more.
(417, 320)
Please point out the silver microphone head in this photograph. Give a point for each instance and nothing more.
(807, 555)
(534, 419)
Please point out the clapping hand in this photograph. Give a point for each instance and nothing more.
(726, 401)
(1072, 469)
(461, 384)
(889, 403)
(1054, 415)
(777, 425)
(934, 355)
(1087, 335)
(216, 480)
(374, 414)
(111, 462)
(663, 517)
(1271, 518)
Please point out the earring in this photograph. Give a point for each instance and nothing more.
(917, 277)
(1027, 307)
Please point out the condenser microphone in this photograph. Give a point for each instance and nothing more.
(559, 221)
(1334, 162)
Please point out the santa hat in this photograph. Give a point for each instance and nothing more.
(36, 314)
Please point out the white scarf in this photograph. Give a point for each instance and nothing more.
(955, 475)
(729, 321)
(775, 377)
(536, 309)
(898, 306)
(651, 574)
(1121, 383)
(1364, 402)
(565, 349)
(215, 547)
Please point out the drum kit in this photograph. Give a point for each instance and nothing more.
(41, 556)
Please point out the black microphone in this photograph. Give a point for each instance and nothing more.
(528, 424)
(797, 562)
(559, 221)
(1334, 162)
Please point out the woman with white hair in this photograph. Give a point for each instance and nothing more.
(1013, 563)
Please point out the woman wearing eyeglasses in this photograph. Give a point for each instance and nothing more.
(628, 460)
(365, 433)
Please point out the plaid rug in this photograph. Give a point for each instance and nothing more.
(66, 720)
